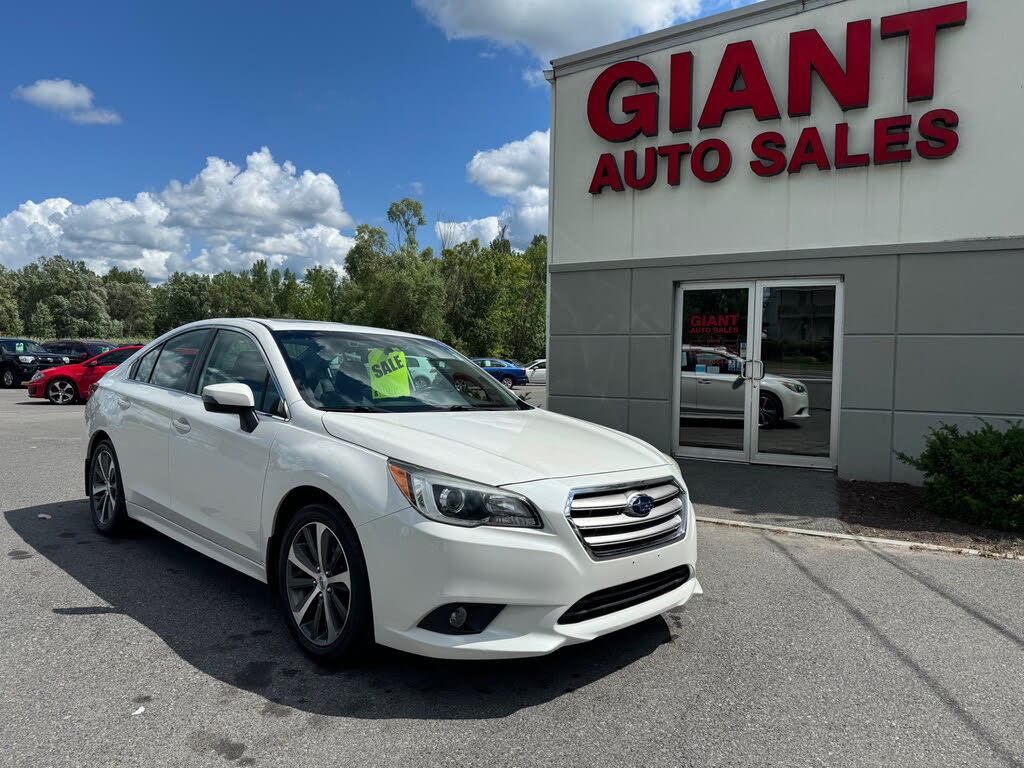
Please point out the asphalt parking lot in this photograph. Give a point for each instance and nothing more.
(802, 652)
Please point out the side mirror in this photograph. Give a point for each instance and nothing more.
(90, 364)
(232, 398)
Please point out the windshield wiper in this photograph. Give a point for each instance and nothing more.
(480, 408)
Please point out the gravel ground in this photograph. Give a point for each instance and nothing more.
(802, 652)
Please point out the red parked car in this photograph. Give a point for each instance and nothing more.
(67, 384)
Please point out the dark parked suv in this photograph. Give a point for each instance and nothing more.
(78, 351)
(20, 358)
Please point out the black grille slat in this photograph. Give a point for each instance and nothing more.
(606, 601)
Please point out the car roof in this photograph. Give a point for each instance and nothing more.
(279, 324)
(13, 338)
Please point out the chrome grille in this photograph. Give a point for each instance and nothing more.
(607, 527)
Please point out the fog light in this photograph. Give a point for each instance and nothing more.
(458, 617)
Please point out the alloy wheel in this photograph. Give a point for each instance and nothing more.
(104, 486)
(767, 410)
(508, 381)
(61, 392)
(8, 379)
(318, 583)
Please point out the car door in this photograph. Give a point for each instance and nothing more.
(720, 385)
(217, 468)
(540, 373)
(141, 419)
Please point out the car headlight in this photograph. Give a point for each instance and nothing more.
(461, 502)
(66, 360)
(794, 387)
(26, 358)
(36, 376)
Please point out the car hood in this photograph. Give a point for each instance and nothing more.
(771, 378)
(496, 447)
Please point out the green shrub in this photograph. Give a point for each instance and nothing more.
(977, 477)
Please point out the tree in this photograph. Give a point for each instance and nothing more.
(182, 299)
(472, 292)
(40, 323)
(10, 317)
(73, 294)
(132, 304)
(406, 215)
(134, 276)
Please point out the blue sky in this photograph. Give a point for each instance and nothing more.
(378, 100)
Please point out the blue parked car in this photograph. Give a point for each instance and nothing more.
(505, 372)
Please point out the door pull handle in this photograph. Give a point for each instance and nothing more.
(123, 404)
(181, 424)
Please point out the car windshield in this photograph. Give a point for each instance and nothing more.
(22, 347)
(352, 371)
(98, 348)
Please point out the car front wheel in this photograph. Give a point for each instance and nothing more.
(323, 585)
(7, 378)
(769, 410)
(61, 392)
(106, 492)
(508, 381)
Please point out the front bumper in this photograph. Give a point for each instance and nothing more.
(36, 389)
(416, 565)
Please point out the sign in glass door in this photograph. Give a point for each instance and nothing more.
(767, 395)
(713, 392)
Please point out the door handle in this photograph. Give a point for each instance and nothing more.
(123, 404)
(181, 424)
(703, 381)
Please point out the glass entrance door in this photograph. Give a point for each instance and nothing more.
(796, 396)
(768, 396)
(714, 387)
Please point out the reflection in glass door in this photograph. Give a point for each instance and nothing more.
(713, 393)
(796, 347)
(769, 395)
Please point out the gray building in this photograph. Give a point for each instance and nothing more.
(790, 233)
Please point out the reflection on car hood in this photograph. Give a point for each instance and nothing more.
(496, 447)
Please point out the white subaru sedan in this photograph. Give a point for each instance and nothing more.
(442, 516)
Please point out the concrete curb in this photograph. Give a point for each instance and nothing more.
(916, 545)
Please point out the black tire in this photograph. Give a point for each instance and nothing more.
(106, 504)
(769, 410)
(421, 382)
(508, 381)
(8, 378)
(62, 391)
(311, 603)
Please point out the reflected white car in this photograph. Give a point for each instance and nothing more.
(537, 371)
(447, 518)
(711, 386)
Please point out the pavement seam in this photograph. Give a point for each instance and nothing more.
(915, 545)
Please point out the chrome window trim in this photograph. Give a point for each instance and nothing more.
(218, 327)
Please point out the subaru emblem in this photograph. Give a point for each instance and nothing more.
(639, 505)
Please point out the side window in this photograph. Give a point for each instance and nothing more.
(174, 366)
(542, 366)
(144, 368)
(235, 357)
(116, 357)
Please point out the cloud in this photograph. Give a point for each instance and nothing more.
(227, 215)
(518, 173)
(72, 101)
(484, 230)
(416, 187)
(548, 29)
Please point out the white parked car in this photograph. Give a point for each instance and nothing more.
(711, 386)
(452, 520)
(537, 372)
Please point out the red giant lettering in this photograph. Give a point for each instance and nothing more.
(921, 27)
(739, 62)
(809, 53)
(643, 106)
(937, 126)
(606, 175)
(889, 132)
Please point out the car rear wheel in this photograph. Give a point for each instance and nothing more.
(323, 585)
(508, 381)
(769, 410)
(7, 378)
(106, 492)
(61, 392)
